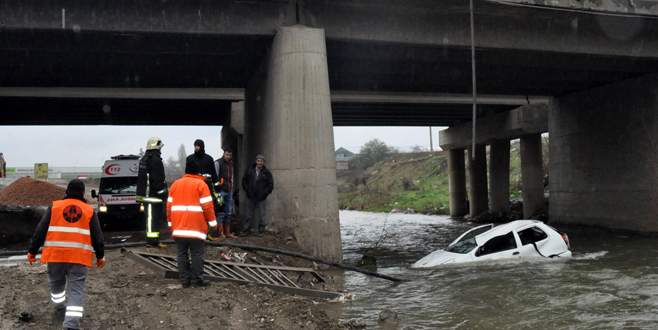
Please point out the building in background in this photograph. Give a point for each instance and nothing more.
(343, 158)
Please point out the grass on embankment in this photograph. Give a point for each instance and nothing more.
(417, 181)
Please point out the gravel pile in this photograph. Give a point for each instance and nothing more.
(29, 192)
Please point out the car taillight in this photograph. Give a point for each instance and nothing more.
(565, 237)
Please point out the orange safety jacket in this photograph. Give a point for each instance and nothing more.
(68, 239)
(190, 208)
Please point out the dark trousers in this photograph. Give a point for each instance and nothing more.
(255, 222)
(154, 214)
(190, 247)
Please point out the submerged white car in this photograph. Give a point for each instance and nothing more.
(516, 239)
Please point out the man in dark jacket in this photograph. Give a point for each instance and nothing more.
(225, 187)
(205, 161)
(258, 184)
(152, 189)
(207, 170)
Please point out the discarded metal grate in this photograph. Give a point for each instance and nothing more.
(273, 277)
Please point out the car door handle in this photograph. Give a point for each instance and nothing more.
(515, 253)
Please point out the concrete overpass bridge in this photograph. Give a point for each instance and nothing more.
(278, 74)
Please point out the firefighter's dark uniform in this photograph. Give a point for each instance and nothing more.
(151, 183)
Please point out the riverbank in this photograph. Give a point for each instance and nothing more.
(127, 295)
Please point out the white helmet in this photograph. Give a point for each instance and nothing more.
(154, 143)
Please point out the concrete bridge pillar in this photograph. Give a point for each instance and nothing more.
(532, 175)
(499, 172)
(233, 136)
(604, 156)
(478, 198)
(457, 182)
(289, 120)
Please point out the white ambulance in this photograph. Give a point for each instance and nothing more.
(117, 191)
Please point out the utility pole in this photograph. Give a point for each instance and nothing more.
(431, 142)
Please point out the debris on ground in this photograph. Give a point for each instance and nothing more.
(25, 317)
(125, 295)
(29, 192)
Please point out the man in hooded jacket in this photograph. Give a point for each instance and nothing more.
(206, 169)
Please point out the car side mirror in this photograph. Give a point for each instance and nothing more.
(94, 194)
(479, 251)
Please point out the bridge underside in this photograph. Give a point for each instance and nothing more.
(97, 111)
(48, 58)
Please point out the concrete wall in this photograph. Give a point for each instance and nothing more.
(288, 120)
(604, 156)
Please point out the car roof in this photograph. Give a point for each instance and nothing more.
(504, 229)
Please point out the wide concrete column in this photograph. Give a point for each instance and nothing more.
(289, 120)
(499, 172)
(233, 136)
(604, 156)
(477, 194)
(457, 182)
(532, 175)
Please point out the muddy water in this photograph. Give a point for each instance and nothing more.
(612, 281)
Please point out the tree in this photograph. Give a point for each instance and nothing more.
(172, 170)
(182, 157)
(372, 152)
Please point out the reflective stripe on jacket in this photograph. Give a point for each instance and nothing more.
(68, 238)
(190, 208)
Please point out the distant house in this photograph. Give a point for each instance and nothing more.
(343, 158)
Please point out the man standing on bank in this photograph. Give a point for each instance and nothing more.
(190, 212)
(258, 184)
(225, 172)
(70, 233)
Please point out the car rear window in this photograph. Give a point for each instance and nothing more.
(531, 235)
(497, 244)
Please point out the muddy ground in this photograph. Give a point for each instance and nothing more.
(127, 295)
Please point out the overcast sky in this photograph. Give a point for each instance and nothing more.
(91, 145)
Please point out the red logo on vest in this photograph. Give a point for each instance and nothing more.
(72, 213)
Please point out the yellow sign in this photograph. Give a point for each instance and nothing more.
(41, 171)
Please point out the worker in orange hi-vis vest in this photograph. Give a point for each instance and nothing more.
(190, 212)
(70, 234)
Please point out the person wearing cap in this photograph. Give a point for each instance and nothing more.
(70, 233)
(190, 213)
(258, 184)
(152, 189)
